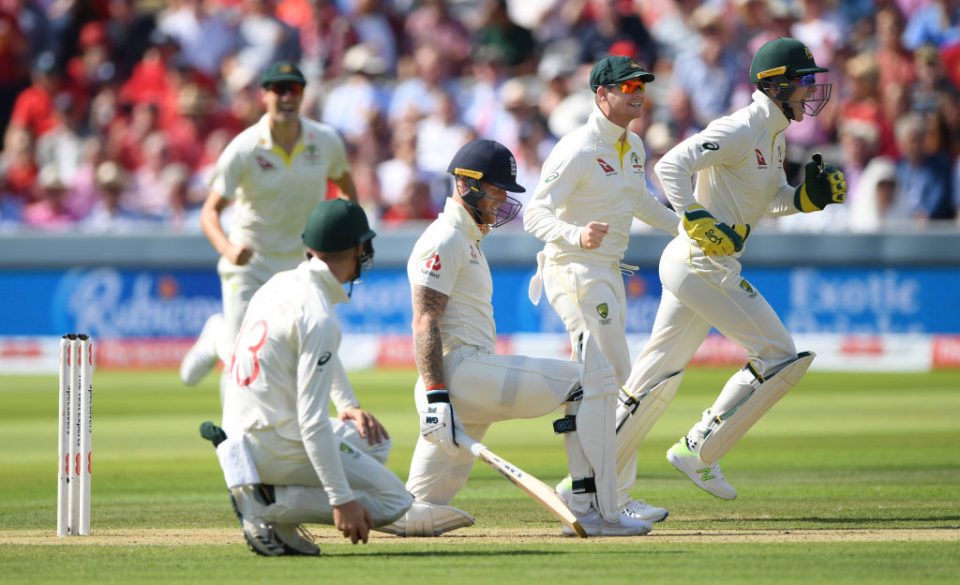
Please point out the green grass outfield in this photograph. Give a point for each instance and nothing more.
(852, 478)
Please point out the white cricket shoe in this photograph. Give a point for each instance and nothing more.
(250, 504)
(426, 519)
(643, 511)
(634, 508)
(202, 356)
(295, 539)
(707, 477)
(594, 524)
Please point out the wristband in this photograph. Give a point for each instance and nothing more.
(437, 393)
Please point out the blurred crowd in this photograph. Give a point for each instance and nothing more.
(114, 111)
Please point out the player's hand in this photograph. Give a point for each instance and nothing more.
(367, 425)
(715, 238)
(438, 424)
(592, 235)
(822, 185)
(238, 255)
(353, 521)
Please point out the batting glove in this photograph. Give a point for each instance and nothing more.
(715, 238)
(437, 423)
(822, 185)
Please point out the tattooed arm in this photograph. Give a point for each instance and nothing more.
(428, 307)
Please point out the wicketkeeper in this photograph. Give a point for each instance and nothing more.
(737, 162)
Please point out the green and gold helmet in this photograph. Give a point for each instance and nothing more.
(781, 66)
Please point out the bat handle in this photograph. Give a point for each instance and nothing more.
(467, 442)
(818, 160)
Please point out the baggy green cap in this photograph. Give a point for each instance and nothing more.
(282, 71)
(335, 225)
(616, 68)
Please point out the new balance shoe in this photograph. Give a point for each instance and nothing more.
(707, 477)
(594, 524)
(295, 539)
(426, 519)
(250, 504)
(202, 356)
(634, 508)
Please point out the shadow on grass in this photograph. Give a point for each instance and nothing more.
(592, 553)
(840, 521)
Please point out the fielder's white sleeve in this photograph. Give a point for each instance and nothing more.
(230, 169)
(341, 390)
(655, 214)
(783, 203)
(560, 178)
(718, 144)
(316, 371)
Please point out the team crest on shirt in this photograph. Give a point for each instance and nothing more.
(312, 154)
(264, 163)
(432, 266)
(604, 311)
(761, 162)
(779, 156)
(606, 167)
(348, 450)
(474, 256)
(636, 164)
(748, 289)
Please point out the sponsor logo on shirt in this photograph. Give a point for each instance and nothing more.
(748, 289)
(264, 164)
(474, 256)
(710, 146)
(605, 166)
(779, 156)
(324, 358)
(348, 450)
(761, 162)
(432, 266)
(551, 177)
(636, 164)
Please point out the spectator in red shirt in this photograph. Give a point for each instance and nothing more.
(34, 110)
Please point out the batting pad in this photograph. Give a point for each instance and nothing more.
(637, 415)
(728, 427)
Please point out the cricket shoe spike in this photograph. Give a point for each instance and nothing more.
(707, 477)
(426, 519)
(594, 524)
(296, 540)
(250, 504)
(202, 356)
(634, 508)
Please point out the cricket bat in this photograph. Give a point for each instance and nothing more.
(536, 489)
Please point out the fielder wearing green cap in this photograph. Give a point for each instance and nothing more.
(285, 460)
(723, 180)
(272, 174)
(592, 187)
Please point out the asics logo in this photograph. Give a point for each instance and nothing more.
(705, 474)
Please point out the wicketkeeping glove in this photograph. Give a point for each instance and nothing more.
(822, 185)
(715, 238)
(437, 423)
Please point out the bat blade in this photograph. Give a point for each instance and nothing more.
(536, 489)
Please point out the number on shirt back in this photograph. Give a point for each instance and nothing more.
(245, 364)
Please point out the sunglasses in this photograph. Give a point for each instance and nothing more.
(284, 87)
(631, 86)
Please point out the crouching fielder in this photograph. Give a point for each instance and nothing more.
(464, 386)
(738, 164)
(285, 460)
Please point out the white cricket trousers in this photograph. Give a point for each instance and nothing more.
(701, 292)
(485, 388)
(592, 298)
(300, 495)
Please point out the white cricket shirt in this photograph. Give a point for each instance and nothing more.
(447, 258)
(274, 193)
(738, 163)
(284, 367)
(592, 175)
